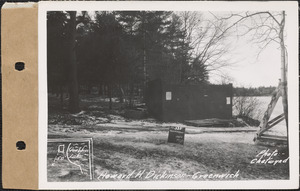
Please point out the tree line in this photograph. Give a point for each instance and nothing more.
(259, 91)
(120, 51)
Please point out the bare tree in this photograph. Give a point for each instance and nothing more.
(266, 27)
(208, 39)
(247, 107)
(225, 78)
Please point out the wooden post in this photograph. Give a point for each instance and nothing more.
(283, 70)
(275, 96)
(280, 91)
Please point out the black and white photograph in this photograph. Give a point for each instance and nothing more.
(158, 95)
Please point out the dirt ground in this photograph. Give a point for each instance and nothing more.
(137, 150)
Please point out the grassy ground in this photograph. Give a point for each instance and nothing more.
(124, 146)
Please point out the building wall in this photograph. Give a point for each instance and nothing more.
(188, 102)
(153, 98)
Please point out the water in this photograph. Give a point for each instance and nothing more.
(265, 102)
(280, 128)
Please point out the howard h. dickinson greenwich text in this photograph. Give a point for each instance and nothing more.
(164, 175)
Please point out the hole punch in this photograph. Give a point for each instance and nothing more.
(20, 66)
(21, 145)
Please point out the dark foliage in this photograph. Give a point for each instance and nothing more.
(260, 91)
(118, 52)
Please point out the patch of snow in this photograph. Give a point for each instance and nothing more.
(116, 117)
(174, 125)
(102, 119)
(78, 114)
(95, 107)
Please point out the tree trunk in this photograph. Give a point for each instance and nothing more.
(100, 92)
(73, 83)
(131, 87)
(106, 90)
(144, 55)
(90, 88)
(121, 94)
(61, 96)
(110, 96)
(183, 51)
(283, 70)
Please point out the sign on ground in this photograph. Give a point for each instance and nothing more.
(176, 135)
(70, 159)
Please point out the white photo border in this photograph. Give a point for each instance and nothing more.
(291, 9)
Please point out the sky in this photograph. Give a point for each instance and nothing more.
(249, 69)
(252, 71)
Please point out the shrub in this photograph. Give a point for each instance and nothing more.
(247, 108)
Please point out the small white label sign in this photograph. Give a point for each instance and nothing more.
(168, 95)
(227, 100)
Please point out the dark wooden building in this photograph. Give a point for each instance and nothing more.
(179, 102)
